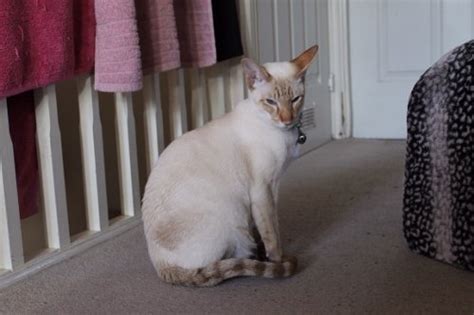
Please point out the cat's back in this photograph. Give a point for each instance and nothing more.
(205, 158)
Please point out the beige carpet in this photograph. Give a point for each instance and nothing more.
(340, 213)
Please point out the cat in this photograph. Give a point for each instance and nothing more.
(212, 186)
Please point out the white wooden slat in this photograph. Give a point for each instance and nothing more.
(215, 91)
(176, 101)
(275, 29)
(92, 155)
(182, 99)
(265, 31)
(194, 94)
(282, 20)
(127, 154)
(153, 119)
(206, 111)
(11, 246)
(51, 167)
(297, 22)
(227, 85)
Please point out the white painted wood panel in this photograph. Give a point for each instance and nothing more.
(11, 247)
(215, 91)
(127, 154)
(392, 43)
(195, 97)
(282, 33)
(176, 103)
(153, 119)
(51, 168)
(265, 31)
(92, 147)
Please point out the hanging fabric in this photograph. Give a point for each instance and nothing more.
(157, 35)
(195, 32)
(43, 41)
(226, 29)
(118, 62)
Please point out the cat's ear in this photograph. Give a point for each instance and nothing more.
(254, 73)
(303, 61)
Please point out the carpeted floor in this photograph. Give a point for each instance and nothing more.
(340, 213)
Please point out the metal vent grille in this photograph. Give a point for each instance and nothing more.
(307, 119)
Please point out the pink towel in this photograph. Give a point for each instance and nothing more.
(158, 35)
(172, 34)
(195, 32)
(43, 41)
(118, 62)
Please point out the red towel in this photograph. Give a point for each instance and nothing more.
(41, 41)
(84, 36)
(44, 41)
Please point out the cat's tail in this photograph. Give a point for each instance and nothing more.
(219, 271)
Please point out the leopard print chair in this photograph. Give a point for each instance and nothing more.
(438, 205)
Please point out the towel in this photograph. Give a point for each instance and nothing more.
(21, 117)
(84, 36)
(226, 29)
(42, 41)
(154, 36)
(158, 35)
(175, 34)
(195, 32)
(118, 62)
(38, 42)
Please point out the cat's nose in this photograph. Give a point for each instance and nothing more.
(286, 118)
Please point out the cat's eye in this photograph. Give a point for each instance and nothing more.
(271, 102)
(296, 99)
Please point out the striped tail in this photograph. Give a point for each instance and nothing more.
(221, 270)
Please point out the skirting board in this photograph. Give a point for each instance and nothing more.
(55, 256)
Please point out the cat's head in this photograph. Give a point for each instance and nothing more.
(278, 87)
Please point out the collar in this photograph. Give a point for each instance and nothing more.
(301, 135)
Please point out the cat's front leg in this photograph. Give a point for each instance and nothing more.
(265, 218)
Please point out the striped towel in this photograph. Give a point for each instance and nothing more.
(117, 59)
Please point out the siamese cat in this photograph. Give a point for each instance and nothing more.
(213, 186)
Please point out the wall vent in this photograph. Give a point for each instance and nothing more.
(307, 119)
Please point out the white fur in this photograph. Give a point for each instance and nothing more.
(281, 70)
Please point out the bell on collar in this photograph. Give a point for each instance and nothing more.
(301, 137)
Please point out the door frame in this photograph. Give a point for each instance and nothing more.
(341, 105)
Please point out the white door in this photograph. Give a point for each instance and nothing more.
(286, 28)
(392, 42)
